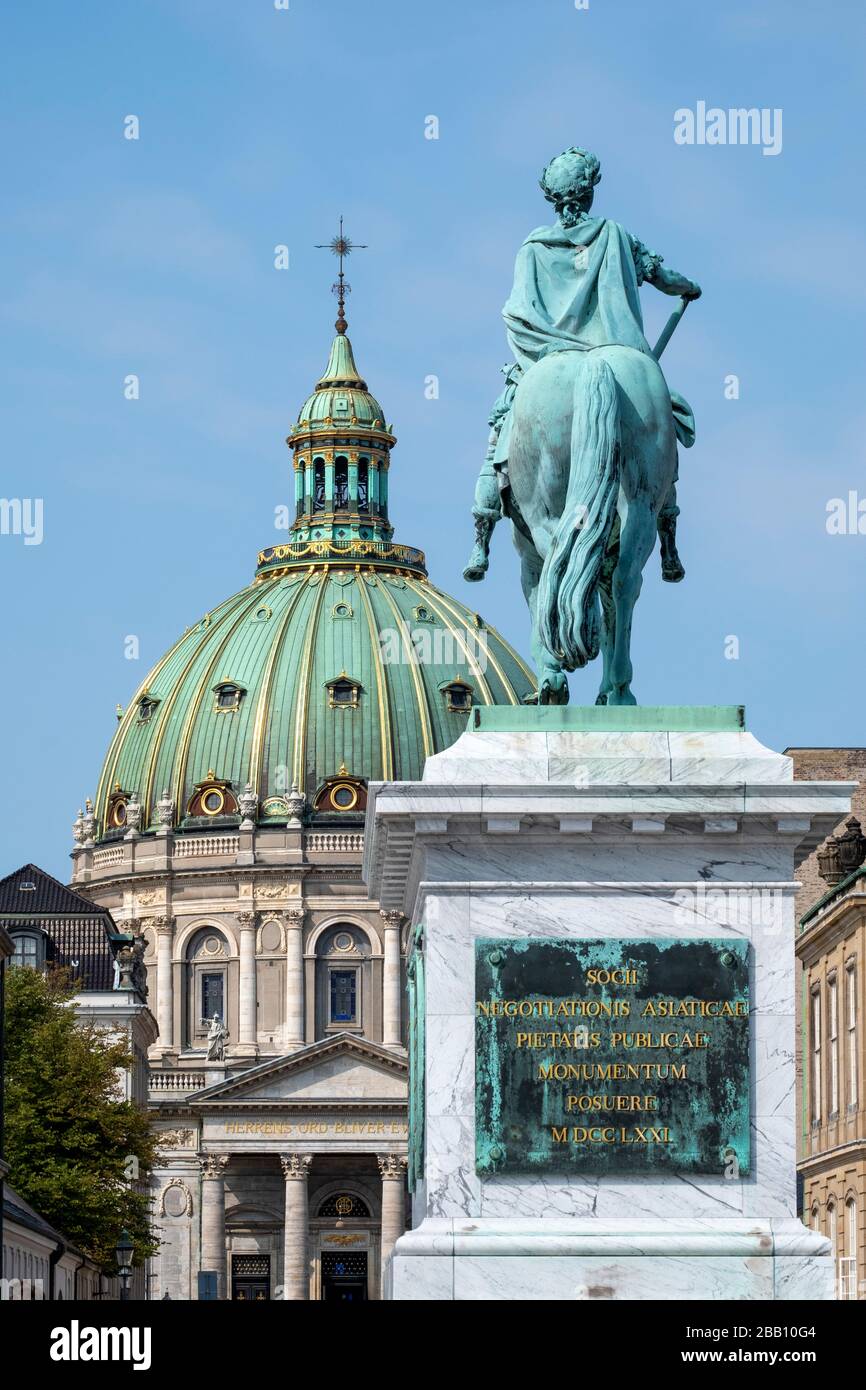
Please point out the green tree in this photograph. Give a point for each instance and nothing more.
(69, 1136)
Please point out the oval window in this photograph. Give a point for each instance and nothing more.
(213, 802)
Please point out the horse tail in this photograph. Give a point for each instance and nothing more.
(568, 608)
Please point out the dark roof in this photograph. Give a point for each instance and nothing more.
(16, 1209)
(79, 933)
(48, 898)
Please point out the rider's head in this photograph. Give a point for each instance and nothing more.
(568, 182)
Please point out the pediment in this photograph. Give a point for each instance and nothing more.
(335, 1070)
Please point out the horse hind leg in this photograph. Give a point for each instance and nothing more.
(608, 613)
(636, 544)
(552, 683)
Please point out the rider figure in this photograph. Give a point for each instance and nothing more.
(579, 323)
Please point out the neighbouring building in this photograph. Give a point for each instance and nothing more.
(226, 834)
(45, 923)
(831, 948)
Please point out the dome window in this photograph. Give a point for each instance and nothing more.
(343, 692)
(341, 793)
(458, 696)
(228, 696)
(342, 610)
(422, 614)
(117, 804)
(262, 614)
(146, 706)
(212, 797)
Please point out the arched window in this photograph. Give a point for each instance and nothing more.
(343, 982)
(318, 485)
(363, 484)
(848, 1262)
(341, 483)
(345, 1206)
(207, 961)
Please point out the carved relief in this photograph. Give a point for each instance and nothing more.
(176, 1199)
(176, 1138)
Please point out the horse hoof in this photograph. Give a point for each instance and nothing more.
(473, 573)
(623, 697)
(673, 572)
(601, 698)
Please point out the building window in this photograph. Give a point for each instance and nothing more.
(343, 692)
(848, 1261)
(833, 1040)
(458, 696)
(228, 697)
(206, 984)
(851, 1024)
(319, 485)
(344, 981)
(146, 706)
(816, 1056)
(344, 996)
(363, 485)
(341, 793)
(212, 1002)
(344, 1205)
(341, 483)
(28, 950)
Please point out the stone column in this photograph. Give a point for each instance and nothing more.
(294, 923)
(213, 1217)
(296, 1258)
(247, 986)
(393, 1170)
(164, 928)
(391, 987)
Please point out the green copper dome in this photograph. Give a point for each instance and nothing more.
(339, 661)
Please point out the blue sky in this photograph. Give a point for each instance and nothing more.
(259, 127)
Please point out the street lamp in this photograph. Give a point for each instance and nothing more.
(124, 1251)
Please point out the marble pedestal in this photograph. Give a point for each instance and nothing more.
(601, 823)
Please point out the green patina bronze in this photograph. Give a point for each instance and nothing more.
(416, 995)
(583, 449)
(610, 719)
(573, 1075)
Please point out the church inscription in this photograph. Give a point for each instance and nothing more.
(612, 1056)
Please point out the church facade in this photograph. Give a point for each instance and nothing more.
(226, 836)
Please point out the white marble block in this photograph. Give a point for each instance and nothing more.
(535, 825)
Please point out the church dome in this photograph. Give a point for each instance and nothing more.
(338, 665)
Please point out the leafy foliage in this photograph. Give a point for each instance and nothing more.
(69, 1135)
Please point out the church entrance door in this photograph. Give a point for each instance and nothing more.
(251, 1278)
(344, 1277)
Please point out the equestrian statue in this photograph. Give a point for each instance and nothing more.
(582, 455)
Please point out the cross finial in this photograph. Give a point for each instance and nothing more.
(341, 246)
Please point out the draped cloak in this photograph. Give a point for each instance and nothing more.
(576, 288)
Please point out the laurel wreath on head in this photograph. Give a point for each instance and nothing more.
(570, 202)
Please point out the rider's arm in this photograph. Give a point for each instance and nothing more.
(671, 282)
(650, 266)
